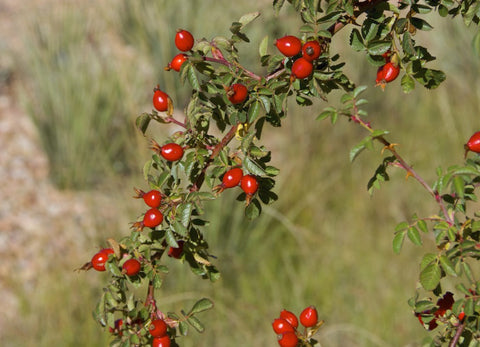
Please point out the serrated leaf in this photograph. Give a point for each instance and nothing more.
(378, 47)
(253, 209)
(142, 122)
(408, 83)
(253, 167)
(170, 238)
(357, 91)
(183, 327)
(113, 268)
(424, 305)
(185, 213)
(398, 241)
(414, 236)
(356, 150)
(420, 24)
(253, 111)
(430, 276)
(196, 324)
(249, 17)
(447, 265)
(422, 225)
(408, 45)
(427, 260)
(192, 77)
(356, 41)
(263, 48)
(179, 228)
(201, 305)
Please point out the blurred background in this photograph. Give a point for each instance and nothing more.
(73, 77)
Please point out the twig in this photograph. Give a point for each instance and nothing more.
(459, 332)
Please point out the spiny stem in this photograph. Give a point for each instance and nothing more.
(410, 171)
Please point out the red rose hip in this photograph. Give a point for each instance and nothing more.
(158, 328)
(249, 184)
(387, 73)
(302, 68)
(160, 100)
(184, 40)
(131, 267)
(311, 50)
(163, 341)
(177, 62)
(237, 93)
(289, 339)
(176, 252)
(152, 218)
(98, 260)
(232, 178)
(309, 317)
(281, 326)
(153, 198)
(289, 45)
(473, 143)
(290, 318)
(172, 151)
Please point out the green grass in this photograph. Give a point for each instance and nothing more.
(324, 243)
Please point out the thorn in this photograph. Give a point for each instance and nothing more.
(390, 147)
(409, 174)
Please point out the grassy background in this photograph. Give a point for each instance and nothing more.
(88, 70)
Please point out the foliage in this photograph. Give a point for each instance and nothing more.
(386, 32)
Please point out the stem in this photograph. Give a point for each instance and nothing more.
(231, 65)
(403, 164)
(459, 332)
(216, 150)
(174, 121)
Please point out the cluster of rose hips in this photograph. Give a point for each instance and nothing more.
(303, 55)
(235, 177)
(184, 42)
(157, 328)
(286, 327)
(130, 267)
(389, 71)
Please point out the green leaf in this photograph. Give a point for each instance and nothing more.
(408, 83)
(447, 265)
(356, 41)
(183, 328)
(398, 241)
(142, 122)
(185, 212)
(408, 45)
(263, 48)
(170, 238)
(253, 167)
(201, 305)
(194, 322)
(179, 228)
(249, 17)
(357, 91)
(356, 150)
(253, 111)
(414, 236)
(427, 260)
(476, 44)
(253, 209)
(420, 24)
(192, 77)
(430, 276)
(378, 47)
(459, 186)
(422, 225)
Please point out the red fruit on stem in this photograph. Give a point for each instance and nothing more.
(302, 68)
(153, 198)
(160, 100)
(309, 317)
(232, 178)
(184, 40)
(387, 73)
(158, 328)
(152, 218)
(311, 50)
(131, 267)
(176, 252)
(163, 341)
(100, 258)
(290, 318)
(177, 62)
(281, 326)
(289, 45)
(249, 184)
(473, 143)
(237, 93)
(289, 339)
(172, 151)
(461, 316)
